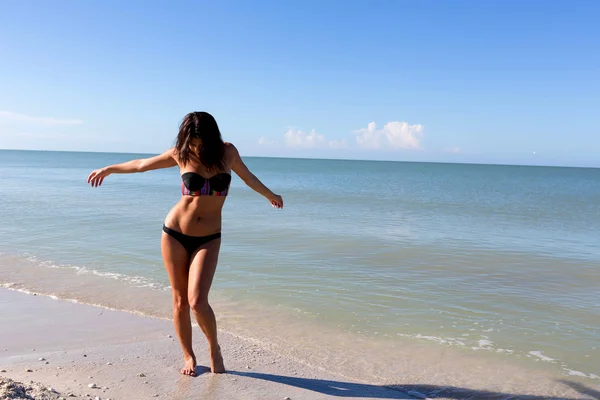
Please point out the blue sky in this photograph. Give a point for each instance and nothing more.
(466, 81)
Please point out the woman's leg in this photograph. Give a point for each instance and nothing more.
(176, 260)
(202, 271)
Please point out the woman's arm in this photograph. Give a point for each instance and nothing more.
(164, 160)
(251, 180)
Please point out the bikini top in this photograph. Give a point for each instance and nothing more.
(194, 184)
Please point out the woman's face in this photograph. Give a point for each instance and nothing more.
(195, 145)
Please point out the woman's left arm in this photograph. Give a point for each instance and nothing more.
(251, 180)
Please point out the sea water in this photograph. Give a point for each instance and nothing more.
(472, 259)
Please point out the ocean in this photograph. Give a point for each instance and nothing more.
(369, 262)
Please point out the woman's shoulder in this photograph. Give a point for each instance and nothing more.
(230, 149)
(231, 153)
(173, 153)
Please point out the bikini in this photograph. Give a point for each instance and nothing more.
(194, 184)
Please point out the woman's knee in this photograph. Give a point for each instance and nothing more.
(199, 304)
(180, 303)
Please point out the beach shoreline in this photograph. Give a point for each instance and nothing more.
(68, 346)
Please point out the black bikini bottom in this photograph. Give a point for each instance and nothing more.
(191, 243)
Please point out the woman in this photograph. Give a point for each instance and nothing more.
(191, 236)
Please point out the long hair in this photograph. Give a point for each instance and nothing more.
(201, 125)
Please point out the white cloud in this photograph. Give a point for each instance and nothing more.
(297, 138)
(9, 116)
(311, 140)
(45, 136)
(394, 134)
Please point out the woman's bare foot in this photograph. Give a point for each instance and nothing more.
(216, 361)
(189, 367)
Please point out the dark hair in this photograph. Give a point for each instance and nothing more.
(201, 125)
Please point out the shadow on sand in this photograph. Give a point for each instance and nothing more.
(358, 390)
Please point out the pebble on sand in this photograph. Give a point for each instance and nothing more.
(28, 370)
(41, 359)
(2, 370)
(92, 386)
(10, 389)
(141, 375)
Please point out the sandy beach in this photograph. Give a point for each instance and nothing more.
(69, 346)
(72, 350)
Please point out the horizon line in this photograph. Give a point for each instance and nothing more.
(330, 159)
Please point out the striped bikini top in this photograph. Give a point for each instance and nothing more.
(194, 184)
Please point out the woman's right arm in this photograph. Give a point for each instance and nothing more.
(164, 160)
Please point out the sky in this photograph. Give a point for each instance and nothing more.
(510, 82)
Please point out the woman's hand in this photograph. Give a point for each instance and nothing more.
(97, 176)
(276, 200)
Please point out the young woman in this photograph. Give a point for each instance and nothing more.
(191, 236)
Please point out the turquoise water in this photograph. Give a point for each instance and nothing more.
(498, 259)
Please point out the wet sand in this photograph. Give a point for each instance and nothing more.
(70, 346)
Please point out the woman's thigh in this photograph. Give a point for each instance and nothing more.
(202, 271)
(176, 260)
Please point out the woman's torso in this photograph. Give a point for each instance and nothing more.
(198, 212)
